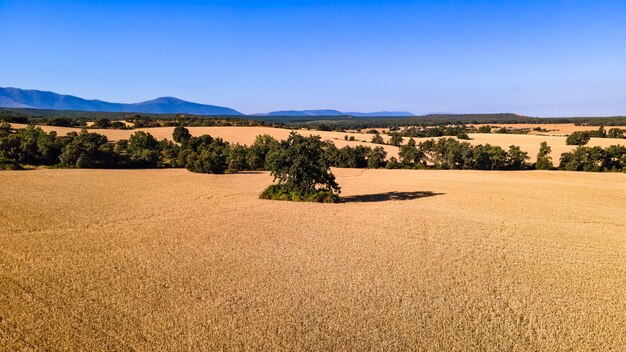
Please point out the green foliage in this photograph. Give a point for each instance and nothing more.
(396, 139)
(597, 159)
(578, 138)
(300, 164)
(181, 134)
(516, 159)
(257, 152)
(487, 157)
(102, 123)
(88, 150)
(446, 153)
(237, 158)
(463, 135)
(544, 160)
(62, 122)
(484, 129)
(143, 150)
(9, 165)
(350, 157)
(392, 163)
(208, 158)
(378, 139)
(5, 128)
(615, 133)
(30, 145)
(282, 192)
(409, 154)
(376, 158)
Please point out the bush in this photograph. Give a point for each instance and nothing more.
(282, 192)
(484, 129)
(6, 164)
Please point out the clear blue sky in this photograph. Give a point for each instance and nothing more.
(541, 58)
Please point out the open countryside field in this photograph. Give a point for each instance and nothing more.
(414, 260)
(555, 129)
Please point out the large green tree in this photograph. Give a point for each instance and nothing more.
(302, 169)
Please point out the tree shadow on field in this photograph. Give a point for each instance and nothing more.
(382, 197)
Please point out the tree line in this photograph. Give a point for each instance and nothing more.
(206, 154)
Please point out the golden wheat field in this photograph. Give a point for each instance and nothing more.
(246, 135)
(414, 260)
(553, 129)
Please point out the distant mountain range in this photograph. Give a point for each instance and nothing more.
(334, 113)
(20, 98)
(37, 99)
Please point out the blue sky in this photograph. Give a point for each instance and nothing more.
(540, 58)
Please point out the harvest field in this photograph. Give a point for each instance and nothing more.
(246, 135)
(414, 260)
(554, 129)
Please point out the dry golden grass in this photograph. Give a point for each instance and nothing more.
(170, 260)
(556, 129)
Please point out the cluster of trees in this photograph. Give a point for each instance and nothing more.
(438, 131)
(597, 159)
(583, 137)
(450, 153)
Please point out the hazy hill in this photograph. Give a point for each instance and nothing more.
(20, 98)
(328, 112)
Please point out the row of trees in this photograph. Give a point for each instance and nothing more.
(205, 154)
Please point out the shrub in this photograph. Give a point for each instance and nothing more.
(282, 192)
(6, 164)
(484, 129)
(463, 135)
